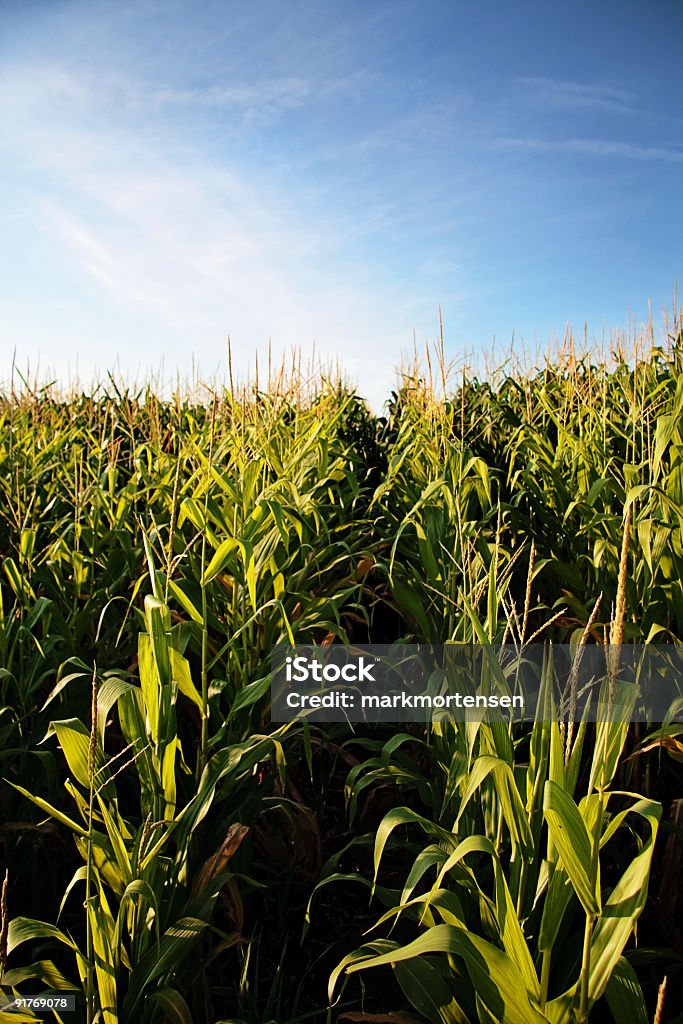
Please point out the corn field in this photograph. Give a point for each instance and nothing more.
(172, 855)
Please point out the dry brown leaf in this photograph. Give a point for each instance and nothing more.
(670, 743)
(364, 567)
(219, 860)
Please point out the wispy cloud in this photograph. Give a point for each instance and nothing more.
(579, 95)
(294, 172)
(266, 94)
(192, 250)
(42, 89)
(596, 147)
(284, 92)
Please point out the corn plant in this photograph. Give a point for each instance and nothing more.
(516, 924)
(490, 508)
(147, 901)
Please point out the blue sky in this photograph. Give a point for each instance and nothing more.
(331, 173)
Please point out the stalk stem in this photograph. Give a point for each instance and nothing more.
(89, 993)
(92, 767)
(204, 743)
(591, 918)
(545, 978)
(585, 968)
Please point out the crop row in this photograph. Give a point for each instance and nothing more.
(168, 848)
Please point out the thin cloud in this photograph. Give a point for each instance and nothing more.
(581, 95)
(268, 94)
(282, 92)
(596, 147)
(190, 251)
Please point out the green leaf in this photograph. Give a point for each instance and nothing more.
(174, 1006)
(569, 834)
(43, 970)
(158, 621)
(180, 671)
(408, 599)
(250, 694)
(222, 558)
(118, 843)
(74, 739)
(106, 956)
(511, 804)
(52, 811)
(493, 974)
(428, 992)
(108, 694)
(250, 571)
(403, 816)
(24, 929)
(625, 996)
(508, 922)
(175, 946)
(613, 714)
(185, 602)
(557, 900)
(624, 906)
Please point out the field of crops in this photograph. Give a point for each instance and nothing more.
(172, 855)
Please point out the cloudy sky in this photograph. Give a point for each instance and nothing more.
(330, 173)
